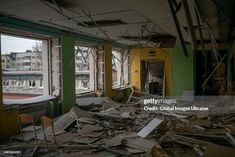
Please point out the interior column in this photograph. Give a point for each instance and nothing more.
(108, 83)
(68, 72)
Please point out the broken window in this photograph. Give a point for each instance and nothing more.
(24, 65)
(84, 69)
(120, 68)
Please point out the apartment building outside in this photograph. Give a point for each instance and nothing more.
(29, 61)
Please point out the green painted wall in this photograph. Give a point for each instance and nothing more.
(182, 70)
(68, 72)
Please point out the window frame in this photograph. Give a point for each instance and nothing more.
(45, 42)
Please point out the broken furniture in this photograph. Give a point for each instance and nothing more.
(118, 130)
(47, 122)
(26, 119)
(24, 102)
(35, 106)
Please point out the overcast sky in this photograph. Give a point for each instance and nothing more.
(16, 44)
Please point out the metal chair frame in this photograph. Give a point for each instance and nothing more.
(47, 122)
(26, 119)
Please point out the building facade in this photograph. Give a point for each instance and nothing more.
(29, 61)
(22, 72)
(22, 61)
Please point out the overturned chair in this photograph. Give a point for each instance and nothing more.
(47, 122)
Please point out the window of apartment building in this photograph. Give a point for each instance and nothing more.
(84, 69)
(22, 74)
(120, 68)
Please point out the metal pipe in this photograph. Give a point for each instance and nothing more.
(222, 11)
(217, 66)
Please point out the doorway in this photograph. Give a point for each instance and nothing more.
(153, 77)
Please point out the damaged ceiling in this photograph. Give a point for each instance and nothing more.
(131, 22)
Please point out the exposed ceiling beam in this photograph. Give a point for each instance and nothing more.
(173, 12)
(18, 24)
(190, 23)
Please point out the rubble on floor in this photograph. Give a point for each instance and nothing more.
(107, 129)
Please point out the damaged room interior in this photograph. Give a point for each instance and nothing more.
(114, 78)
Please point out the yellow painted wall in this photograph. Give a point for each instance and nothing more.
(8, 118)
(138, 55)
(9, 123)
(108, 83)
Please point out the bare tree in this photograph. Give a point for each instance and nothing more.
(38, 49)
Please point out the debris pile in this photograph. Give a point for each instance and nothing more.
(106, 128)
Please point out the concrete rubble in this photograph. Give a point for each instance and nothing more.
(105, 129)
